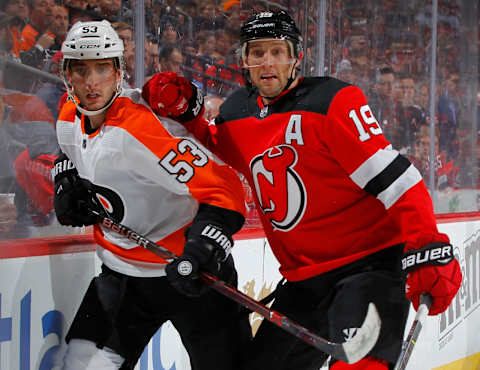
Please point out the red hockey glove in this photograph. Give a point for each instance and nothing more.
(432, 269)
(169, 94)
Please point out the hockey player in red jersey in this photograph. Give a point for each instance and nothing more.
(349, 218)
(148, 173)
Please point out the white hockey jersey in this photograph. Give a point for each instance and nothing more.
(149, 174)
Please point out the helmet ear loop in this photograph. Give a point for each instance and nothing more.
(245, 71)
(63, 68)
(120, 65)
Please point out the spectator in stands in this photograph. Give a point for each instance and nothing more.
(422, 94)
(190, 7)
(127, 13)
(402, 53)
(61, 21)
(7, 176)
(445, 172)
(6, 39)
(206, 45)
(31, 147)
(233, 21)
(226, 74)
(152, 61)
(8, 213)
(190, 46)
(60, 27)
(10, 74)
(79, 14)
(223, 43)
(410, 115)
(357, 47)
(449, 108)
(190, 49)
(125, 32)
(206, 56)
(79, 4)
(407, 88)
(171, 59)
(470, 162)
(209, 17)
(168, 33)
(19, 9)
(92, 5)
(38, 39)
(109, 9)
(382, 103)
(51, 92)
(344, 71)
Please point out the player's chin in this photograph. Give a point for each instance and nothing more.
(270, 90)
(92, 106)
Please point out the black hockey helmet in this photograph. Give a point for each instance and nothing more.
(272, 25)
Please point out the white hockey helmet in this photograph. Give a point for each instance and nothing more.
(93, 40)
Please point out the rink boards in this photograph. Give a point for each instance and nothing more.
(42, 283)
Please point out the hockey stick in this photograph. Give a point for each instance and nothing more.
(349, 352)
(409, 343)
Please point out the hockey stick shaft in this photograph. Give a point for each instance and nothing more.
(418, 322)
(347, 352)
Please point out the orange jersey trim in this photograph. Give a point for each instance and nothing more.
(173, 242)
(214, 184)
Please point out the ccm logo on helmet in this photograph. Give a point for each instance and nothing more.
(95, 46)
(439, 254)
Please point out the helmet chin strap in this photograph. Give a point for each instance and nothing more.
(91, 113)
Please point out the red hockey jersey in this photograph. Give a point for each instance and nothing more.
(329, 186)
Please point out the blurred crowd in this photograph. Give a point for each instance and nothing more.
(386, 50)
(384, 47)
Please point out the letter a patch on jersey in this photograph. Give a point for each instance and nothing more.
(280, 189)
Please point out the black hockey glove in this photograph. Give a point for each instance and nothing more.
(198, 255)
(208, 245)
(72, 198)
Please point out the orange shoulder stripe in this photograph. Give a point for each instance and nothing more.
(214, 183)
(68, 112)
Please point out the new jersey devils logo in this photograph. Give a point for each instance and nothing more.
(280, 190)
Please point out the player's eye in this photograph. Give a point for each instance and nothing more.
(104, 69)
(81, 71)
(258, 53)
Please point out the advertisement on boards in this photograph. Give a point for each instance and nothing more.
(41, 294)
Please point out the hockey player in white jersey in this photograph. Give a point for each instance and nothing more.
(151, 175)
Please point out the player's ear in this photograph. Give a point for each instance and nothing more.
(68, 76)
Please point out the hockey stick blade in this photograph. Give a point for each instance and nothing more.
(365, 337)
(349, 352)
(418, 322)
